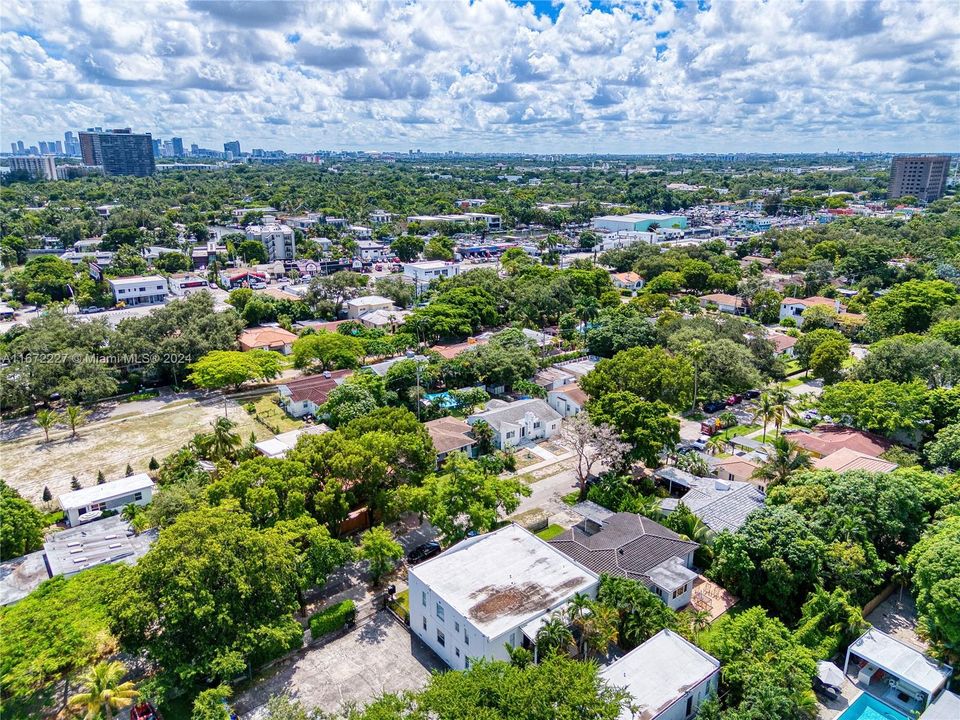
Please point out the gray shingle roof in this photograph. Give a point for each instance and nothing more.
(515, 411)
(722, 505)
(628, 545)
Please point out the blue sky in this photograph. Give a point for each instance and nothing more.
(490, 75)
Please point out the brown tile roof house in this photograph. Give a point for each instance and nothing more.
(626, 544)
(846, 459)
(627, 279)
(266, 338)
(449, 352)
(826, 439)
(305, 395)
(782, 342)
(449, 434)
(810, 301)
(278, 294)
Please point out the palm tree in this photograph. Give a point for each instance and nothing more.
(787, 459)
(699, 621)
(764, 412)
(76, 416)
(716, 443)
(46, 420)
(693, 528)
(901, 575)
(104, 691)
(693, 463)
(697, 352)
(554, 636)
(598, 629)
(223, 440)
(782, 412)
(648, 506)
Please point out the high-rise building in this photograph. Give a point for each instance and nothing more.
(44, 166)
(232, 147)
(44, 150)
(177, 146)
(923, 176)
(157, 147)
(59, 147)
(20, 149)
(13, 148)
(70, 144)
(119, 152)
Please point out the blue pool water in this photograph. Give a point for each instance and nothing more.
(442, 399)
(867, 707)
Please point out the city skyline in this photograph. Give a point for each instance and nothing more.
(491, 75)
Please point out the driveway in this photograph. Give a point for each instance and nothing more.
(381, 656)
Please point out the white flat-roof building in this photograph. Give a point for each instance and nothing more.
(279, 240)
(908, 679)
(89, 503)
(422, 274)
(141, 290)
(279, 445)
(667, 677)
(474, 599)
(187, 283)
(367, 303)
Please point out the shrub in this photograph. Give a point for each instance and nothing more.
(332, 618)
(250, 408)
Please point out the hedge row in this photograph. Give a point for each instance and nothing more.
(332, 618)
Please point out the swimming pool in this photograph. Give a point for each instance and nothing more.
(867, 707)
(441, 400)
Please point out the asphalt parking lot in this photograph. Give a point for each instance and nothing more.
(381, 656)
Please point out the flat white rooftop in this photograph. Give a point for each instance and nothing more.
(137, 279)
(97, 493)
(369, 300)
(659, 672)
(504, 579)
(885, 652)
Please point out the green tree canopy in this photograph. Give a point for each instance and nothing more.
(211, 594)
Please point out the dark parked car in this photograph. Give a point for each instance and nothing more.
(423, 552)
(713, 406)
(752, 394)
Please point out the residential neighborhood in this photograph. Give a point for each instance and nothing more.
(511, 361)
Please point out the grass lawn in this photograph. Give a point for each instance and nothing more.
(550, 532)
(572, 498)
(739, 430)
(273, 414)
(793, 382)
(793, 367)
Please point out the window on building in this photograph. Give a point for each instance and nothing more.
(456, 626)
(138, 496)
(466, 638)
(689, 705)
(680, 591)
(536, 424)
(510, 434)
(423, 598)
(98, 506)
(439, 611)
(441, 639)
(456, 651)
(466, 663)
(424, 623)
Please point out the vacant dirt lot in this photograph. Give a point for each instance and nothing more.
(118, 435)
(379, 657)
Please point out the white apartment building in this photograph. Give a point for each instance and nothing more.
(422, 274)
(279, 240)
(489, 591)
(42, 166)
(142, 290)
(518, 422)
(380, 217)
(493, 222)
(371, 251)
